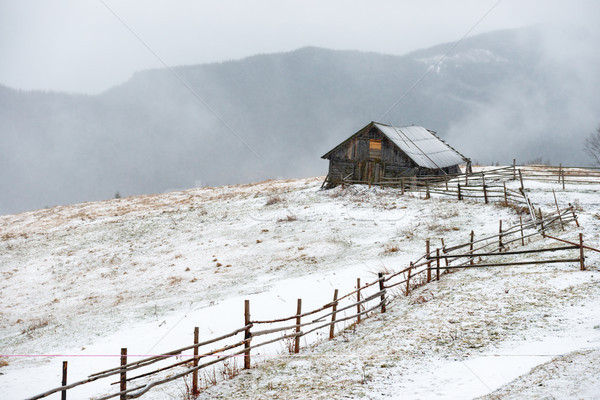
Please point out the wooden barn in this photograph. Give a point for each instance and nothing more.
(380, 153)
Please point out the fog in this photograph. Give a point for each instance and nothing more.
(137, 127)
(75, 46)
(554, 118)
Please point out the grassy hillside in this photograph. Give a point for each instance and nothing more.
(140, 272)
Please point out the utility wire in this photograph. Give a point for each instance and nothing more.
(180, 79)
(431, 68)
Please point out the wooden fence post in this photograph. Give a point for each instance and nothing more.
(500, 244)
(195, 390)
(446, 179)
(382, 287)
(484, 188)
(437, 272)
(559, 172)
(428, 262)
(408, 279)
(427, 195)
(514, 169)
(247, 334)
(574, 216)
(358, 310)
(521, 179)
(581, 257)
(334, 308)
(471, 245)
(123, 386)
(522, 236)
(505, 196)
(542, 222)
(459, 196)
(467, 178)
(63, 393)
(298, 322)
(563, 179)
(562, 226)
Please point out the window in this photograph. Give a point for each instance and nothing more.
(375, 149)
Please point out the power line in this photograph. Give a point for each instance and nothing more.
(180, 79)
(431, 68)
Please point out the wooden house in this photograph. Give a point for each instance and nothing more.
(380, 153)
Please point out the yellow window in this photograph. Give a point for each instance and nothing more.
(375, 144)
(375, 149)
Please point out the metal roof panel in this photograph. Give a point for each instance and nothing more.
(422, 146)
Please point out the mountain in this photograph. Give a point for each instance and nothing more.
(495, 97)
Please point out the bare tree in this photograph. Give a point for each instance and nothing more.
(592, 145)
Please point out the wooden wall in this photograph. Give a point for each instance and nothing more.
(356, 160)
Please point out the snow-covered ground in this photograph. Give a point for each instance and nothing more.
(141, 272)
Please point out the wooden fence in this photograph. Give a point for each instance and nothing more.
(349, 308)
(543, 173)
(444, 258)
(561, 175)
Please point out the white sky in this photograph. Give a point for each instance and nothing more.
(80, 46)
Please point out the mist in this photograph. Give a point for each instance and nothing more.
(546, 116)
(517, 94)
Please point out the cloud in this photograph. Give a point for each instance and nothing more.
(80, 46)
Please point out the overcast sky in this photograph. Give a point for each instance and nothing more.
(81, 46)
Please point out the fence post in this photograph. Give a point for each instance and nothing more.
(559, 172)
(63, 394)
(334, 308)
(247, 334)
(358, 310)
(542, 223)
(427, 195)
(563, 179)
(522, 236)
(500, 244)
(446, 179)
(437, 272)
(459, 196)
(402, 183)
(382, 287)
(505, 196)
(574, 216)
(562, 226)
(123, 381)
(581, 257)
(484, 189)
(408, 279)
(521, 179)
(428, 262)
(471, 245)
(514, 169)
(298, 321)
(195, 390)
(467, 178)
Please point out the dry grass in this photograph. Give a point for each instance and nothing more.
(34, 325)
(518, 208)
(407, 232)
(288, 218)
(3, 362)
(391, 248)
(274, 200)
(175, 280)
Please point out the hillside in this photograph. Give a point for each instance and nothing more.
(140, 272)
(497, 96)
